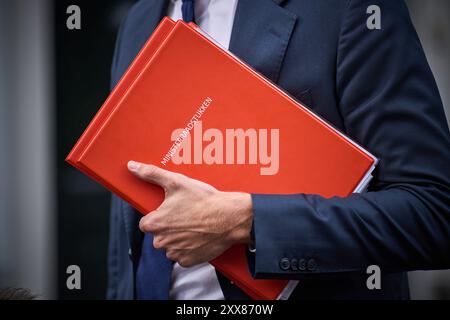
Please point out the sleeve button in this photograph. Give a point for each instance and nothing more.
(312, 264)
(302, 265)
(294, 264)
(285, 264)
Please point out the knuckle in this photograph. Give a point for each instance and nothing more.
(173, 185)
(155, 217)
(149, 223)
(158, 224)
(148, 171)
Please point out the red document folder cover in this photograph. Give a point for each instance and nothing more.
(189, 106)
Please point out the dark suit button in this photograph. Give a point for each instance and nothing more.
(312, 264)
(285, 264)
(302, 265)
(294, 264)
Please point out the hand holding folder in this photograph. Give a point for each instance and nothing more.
(215, 120)
(172, 222)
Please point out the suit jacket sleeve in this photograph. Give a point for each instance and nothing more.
(390, 104)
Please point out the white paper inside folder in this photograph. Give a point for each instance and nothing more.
(362, 187)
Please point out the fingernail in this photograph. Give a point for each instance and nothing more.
(133, 165)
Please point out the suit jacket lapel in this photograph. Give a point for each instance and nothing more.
(261, 33)
(157, 9)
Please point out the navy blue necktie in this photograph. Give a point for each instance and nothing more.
(187, 9)
(154, 271)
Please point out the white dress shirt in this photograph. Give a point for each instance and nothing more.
(216, 18)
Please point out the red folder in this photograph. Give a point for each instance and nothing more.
(190, 106)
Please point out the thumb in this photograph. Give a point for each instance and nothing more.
(152, 174)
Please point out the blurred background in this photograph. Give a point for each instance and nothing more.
(52, 82)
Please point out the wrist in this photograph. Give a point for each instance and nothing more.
(242, 209)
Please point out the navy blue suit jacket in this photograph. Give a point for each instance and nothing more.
(374, 85)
